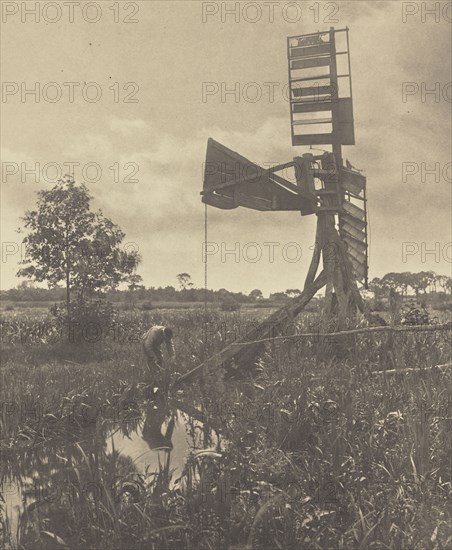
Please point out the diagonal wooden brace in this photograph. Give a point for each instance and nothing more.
(271, 327)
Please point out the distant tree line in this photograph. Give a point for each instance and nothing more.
(28, 292)
(418, 284)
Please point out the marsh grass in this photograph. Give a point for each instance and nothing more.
(318, 452)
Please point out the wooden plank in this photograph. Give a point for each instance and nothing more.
(352, 181)
(359, 269)
(359, 277)
(306, 78)
(353, 210)
(345, 110)
(256, 203)
(265, 197)
(347, 220)
(309, 121)
(312, 139)
(224, 168)
(312, 106)
(329, 208)
(356, 244)
(310, 62)
(305, 183)
(314, 91)
(353, 232)
(218, 201)
(305, 51)
(358, 256)
(281, 182)
(320, 192)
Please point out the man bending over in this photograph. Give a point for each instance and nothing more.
(152, 342)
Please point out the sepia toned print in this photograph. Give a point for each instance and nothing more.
(226, 287)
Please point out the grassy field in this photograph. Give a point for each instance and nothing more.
(307, 450)
(40, 309)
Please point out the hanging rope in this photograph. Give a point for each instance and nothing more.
(205, 258)
(205, 276)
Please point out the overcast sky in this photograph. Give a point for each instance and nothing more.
(169, 53)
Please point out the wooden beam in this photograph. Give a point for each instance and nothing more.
(309, 62)
(248, 349)
(314, 265)
(307, 51)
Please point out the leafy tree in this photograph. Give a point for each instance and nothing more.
(135, 281)
(432, 280)
(184, 280)
(390, 281)
(278, 296)
(256, 294)
(293, 292)
(445, 283)
(399, 282)
(377, 286)
(404, 279)
(68, 243)
(424, 280)
(416, 283)
(380, 291)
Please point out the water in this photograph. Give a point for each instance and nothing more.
(147, 454)
(45, 477)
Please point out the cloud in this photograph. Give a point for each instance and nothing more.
(87, 147)
(126, 126)
(165, 135)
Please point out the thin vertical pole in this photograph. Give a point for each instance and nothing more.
(290, 91)
(366, 276)
(349, 66)
(337, 146)
(205, 272)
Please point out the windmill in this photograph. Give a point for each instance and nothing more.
(321, 113)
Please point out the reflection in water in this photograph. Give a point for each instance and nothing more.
(65, 483)
(152, 429)
(160, 442)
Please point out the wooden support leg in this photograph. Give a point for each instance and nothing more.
(315, 257)
(341, 283)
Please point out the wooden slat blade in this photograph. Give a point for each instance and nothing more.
(353, 210)
(313, 91)
(356, 255)
(347, 220)
(312, 139)
(310, 62)
(352, 181)
(312, 106)
(348, 229)
(355, 244)
(306, 51)
(359, 269)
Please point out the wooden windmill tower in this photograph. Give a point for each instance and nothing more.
(321, 113)
(321, 104)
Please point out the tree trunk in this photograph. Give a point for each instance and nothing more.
(68, 291)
